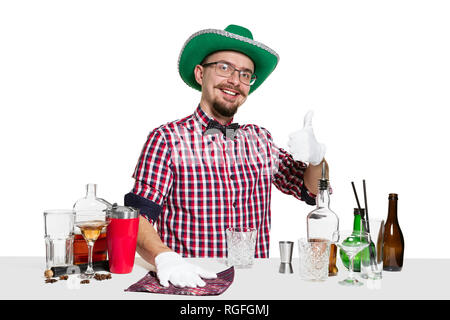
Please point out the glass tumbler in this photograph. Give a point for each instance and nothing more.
(59, 234)
(314, 259)
(241, 244)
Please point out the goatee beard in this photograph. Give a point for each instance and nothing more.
(224, 111)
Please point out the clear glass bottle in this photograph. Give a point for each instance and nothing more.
(90, 203)
(322, 222)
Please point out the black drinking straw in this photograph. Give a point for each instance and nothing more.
(356, 196)
(367, 210)
(371, 252)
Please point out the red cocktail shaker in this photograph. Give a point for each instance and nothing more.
(121, 236)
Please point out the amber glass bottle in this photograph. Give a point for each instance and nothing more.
(394, 244)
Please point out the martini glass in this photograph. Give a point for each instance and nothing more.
(351, 242)
(91, 224)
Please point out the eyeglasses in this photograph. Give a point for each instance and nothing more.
(225, 69)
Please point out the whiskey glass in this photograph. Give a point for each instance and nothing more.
(314, 258)
(241, 243)
(90, 223)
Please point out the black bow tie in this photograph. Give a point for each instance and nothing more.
(229, 131)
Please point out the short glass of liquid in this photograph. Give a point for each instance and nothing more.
(59, 234)
(241, 243)
(314, 257)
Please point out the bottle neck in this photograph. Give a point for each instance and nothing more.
(91, 190)
(323, 199)
(357, 223)
(392, 210)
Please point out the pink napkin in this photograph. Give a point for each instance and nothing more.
(213, 287)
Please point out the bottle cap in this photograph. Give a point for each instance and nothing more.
(323, 181)
(393, 196)
(360, 212)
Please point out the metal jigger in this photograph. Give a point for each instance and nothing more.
(286, 256)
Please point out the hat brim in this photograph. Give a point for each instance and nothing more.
(205, 42)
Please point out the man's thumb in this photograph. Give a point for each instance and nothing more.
(307, 121)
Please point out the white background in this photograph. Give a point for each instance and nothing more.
(83, 82)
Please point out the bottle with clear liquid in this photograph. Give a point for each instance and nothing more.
(80, 249)
(91, 202)
(322, 222)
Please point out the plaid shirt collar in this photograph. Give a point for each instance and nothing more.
(201, 117)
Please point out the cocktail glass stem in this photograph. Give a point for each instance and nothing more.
(351, 273)
(351, 280)
(90, 270)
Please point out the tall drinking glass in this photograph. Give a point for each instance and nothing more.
(372, 257)
(59, 230)
(91, 224)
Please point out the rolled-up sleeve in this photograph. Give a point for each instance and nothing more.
(153, 177)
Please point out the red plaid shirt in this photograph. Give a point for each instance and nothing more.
(206, 183)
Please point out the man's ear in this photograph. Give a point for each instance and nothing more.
(198, 73)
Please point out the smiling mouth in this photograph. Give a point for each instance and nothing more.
(230, 93)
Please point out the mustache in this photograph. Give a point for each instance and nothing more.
(226, 86)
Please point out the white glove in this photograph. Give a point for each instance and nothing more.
(170, 266)
(303, 144)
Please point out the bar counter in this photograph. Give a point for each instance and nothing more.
(22, 278)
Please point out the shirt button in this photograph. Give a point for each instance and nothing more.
(234, 204)
(232, 177)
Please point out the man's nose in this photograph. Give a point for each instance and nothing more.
(234, 78)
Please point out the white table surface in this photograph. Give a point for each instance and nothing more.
(23, 278)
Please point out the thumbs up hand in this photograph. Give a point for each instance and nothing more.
(303, 144)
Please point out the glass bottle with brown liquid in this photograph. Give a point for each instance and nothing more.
(322, 222)
(394, 244)
(80, 248)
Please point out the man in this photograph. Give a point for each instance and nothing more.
(201, 174)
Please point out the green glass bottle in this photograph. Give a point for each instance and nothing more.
(357, 227)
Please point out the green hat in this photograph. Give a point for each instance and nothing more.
(235, 38)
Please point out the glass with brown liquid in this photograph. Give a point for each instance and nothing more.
(80, 248)
(332, 269)
(90, 225)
